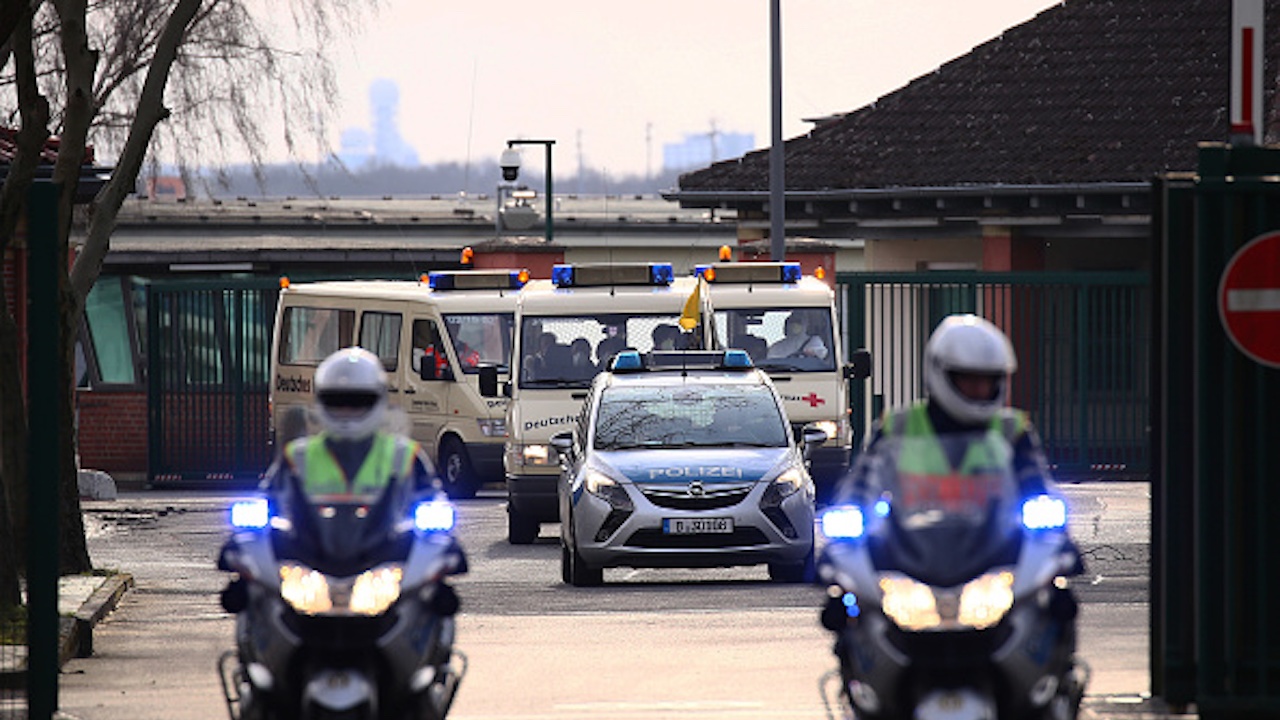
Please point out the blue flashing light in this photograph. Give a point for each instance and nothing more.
(518, 278)
(250, 514)
(626, 360)
(434, 516)
(440, 281)
(791, 272)
(850, 602)
(1044, 512)
(736, 359)
(881, 508)
(843, 522)
(700, 270)
(562, 275)
(662, 273)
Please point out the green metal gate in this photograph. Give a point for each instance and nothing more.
(1215, 637)
(1083, 342)
(208, 369)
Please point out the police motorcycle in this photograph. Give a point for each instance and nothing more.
(342, 609)
(947, 593)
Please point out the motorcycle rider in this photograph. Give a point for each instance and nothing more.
(352, 453)
(967, 364)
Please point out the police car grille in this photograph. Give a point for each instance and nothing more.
(679, 498)
(656, 539)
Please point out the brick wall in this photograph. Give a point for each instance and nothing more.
(113, 430)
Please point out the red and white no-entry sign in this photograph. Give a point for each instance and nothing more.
(1249, 299)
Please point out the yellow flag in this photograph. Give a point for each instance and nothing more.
(692, 312)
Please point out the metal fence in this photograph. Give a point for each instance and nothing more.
(1083, 342)
(208, 370)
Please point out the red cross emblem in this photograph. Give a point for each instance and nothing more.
(813, 400)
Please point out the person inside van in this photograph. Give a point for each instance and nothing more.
(798, 341)
(607, 348)
(429, 358)
(666, 337)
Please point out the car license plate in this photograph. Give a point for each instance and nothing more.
(697, 526)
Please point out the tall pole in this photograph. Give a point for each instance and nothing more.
(547, 144)
(777, 178)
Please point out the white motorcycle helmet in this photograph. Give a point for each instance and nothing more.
(351, 393)
(967, 344)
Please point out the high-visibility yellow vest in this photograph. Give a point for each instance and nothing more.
(924, 469)
(390, 458)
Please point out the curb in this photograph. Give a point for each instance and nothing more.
(75, 632)
(106, 598)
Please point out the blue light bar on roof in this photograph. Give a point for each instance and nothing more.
(749, 272)
(626, 360)
(595, 275)
(736, 359)
(477, 279)
(562, 275)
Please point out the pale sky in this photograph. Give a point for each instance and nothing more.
(608, 74)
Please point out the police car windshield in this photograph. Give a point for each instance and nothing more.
(481, 339)
(570, 350)
(786, 339)
(688, 416)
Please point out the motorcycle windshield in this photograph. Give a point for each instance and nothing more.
(952, 504)
(341, 534)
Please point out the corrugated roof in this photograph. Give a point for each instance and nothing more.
(1090, 91)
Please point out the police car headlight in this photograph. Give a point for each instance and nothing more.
(496, 427)
(789, 482)
(536, 455)
(782, 487)
(606, 488)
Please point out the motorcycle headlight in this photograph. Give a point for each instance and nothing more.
(306, 590)
(915, 606)
(908, 603)
(986, 599)
(376, 590)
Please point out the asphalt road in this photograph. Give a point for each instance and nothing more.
(649, 644)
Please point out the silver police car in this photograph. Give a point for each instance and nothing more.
(684, 459)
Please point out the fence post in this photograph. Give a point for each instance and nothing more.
(45, 392)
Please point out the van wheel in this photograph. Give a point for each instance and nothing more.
(521, 529)
(459, 478)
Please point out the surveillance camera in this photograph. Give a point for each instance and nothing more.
(510, 162)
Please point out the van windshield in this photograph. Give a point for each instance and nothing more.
(481, 339)
(569, 350)
(780, 339)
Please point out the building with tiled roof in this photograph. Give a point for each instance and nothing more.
(1051, 131)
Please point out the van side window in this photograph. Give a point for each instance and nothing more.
(309, 335)
(380, 335)
(428, 347)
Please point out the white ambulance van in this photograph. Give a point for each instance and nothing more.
(567, 330)
(432, 338)
(788, 324)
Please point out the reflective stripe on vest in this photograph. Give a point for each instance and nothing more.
(389, 458)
